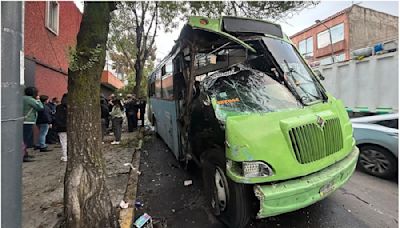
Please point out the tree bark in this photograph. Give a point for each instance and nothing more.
(86, 198)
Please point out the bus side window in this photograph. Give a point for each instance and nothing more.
(157, 85)
(167, 81)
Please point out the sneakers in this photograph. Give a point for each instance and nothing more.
(45, 149)
(115, 142)
(27, 159)
(64, 159)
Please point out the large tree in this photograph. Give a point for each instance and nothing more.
(86, 198)
(135, 25)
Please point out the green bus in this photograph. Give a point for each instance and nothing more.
(235, 97)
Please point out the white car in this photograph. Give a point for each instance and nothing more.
(377, 138)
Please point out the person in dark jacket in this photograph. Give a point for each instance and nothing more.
(61, 125)
(142, 109)
(105, 115)
(43, 123)
(52, 136)
(130, 112)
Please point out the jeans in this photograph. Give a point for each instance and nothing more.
(117, 127)
(63, 142)
(131, 117)
(28, 135)
(43, 129)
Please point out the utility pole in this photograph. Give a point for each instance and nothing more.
(11, 112)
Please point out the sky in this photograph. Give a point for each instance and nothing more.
(300, 21)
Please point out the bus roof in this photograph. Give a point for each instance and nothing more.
(228, 27)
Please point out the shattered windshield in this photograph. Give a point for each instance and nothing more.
(295, 71)
(244, 89)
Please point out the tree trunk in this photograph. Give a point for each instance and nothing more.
(139, 75)
(86, 198)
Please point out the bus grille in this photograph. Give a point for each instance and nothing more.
(311, 142)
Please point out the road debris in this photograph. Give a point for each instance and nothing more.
(123, 204)
(144, 221)
(187, 182)
(138, 204)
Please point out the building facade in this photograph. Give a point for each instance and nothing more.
(334, 38)
(50, 31)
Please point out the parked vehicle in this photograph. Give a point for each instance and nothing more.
(377, 139)
(235, 97)
(369, 85)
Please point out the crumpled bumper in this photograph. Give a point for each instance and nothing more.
(294, 194)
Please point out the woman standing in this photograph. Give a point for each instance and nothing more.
(117, 115)
(61, 126)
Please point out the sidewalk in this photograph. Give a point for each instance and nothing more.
(43, 181)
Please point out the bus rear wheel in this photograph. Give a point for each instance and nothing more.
(229, 201)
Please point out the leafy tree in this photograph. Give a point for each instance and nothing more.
(86, 198)
(135, 25)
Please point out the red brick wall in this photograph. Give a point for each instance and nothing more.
(50, 82)
(48, 48)
(339, 47)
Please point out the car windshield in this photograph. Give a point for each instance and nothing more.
(297, 74)
(241, 88)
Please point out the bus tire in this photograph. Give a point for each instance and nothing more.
(229, 201)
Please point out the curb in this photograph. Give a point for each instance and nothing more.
(126, 215)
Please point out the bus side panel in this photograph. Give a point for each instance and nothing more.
(165, 114)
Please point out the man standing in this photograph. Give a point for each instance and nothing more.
(142, 108)
(130, 112)
(43, 122)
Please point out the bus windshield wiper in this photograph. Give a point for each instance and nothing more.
(291, 71)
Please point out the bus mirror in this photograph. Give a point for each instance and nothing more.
(319, 75)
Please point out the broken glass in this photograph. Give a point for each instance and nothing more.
(242, 89)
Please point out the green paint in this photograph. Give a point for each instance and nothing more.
(299, 193)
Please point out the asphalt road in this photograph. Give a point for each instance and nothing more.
(365, 201)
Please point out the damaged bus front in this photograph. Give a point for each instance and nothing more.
(246, 107)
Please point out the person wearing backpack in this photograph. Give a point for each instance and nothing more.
(31, 106)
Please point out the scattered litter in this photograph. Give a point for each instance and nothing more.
(349, 210)
(173, 210)
(187, 182)
(144, 221)
(123, 204)
(153, 180)
(138, 204)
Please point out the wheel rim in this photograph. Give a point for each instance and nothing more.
(374, 161)
(221, 190)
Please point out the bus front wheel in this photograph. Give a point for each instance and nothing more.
(230, 201)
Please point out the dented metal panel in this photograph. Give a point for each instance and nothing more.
(294, 194)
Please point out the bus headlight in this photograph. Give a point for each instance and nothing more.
(250, 168)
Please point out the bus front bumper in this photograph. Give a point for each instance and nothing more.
(292, 195)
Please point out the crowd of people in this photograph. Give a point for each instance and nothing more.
(115, 109)
(50, 118)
